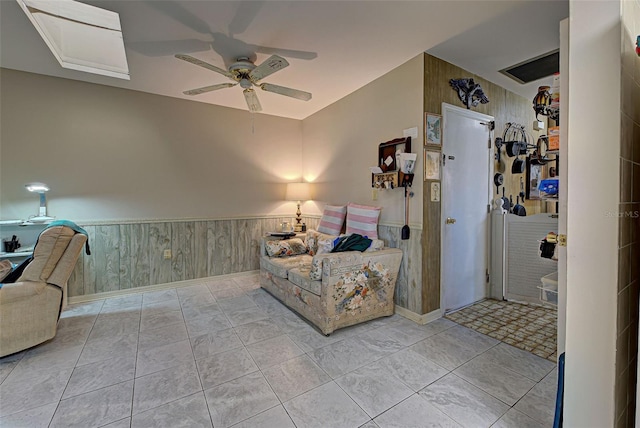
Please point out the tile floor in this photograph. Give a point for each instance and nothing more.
(225, 353)
(533, 328)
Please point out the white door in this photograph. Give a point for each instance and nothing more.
(466, 192)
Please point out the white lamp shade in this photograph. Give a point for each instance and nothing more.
(298, 192)
(37, 187)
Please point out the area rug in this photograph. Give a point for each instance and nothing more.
(529, 327)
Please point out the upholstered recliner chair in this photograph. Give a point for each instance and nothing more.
(31, 306)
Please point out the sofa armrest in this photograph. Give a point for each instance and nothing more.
(336, 264)
(10, 293)
(359, 283)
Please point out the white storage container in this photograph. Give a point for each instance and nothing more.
(549, 288)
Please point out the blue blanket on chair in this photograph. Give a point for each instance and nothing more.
(74, 227)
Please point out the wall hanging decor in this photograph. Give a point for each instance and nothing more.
(431, 165)
(469, 92)
(542, 104)
(433, 128)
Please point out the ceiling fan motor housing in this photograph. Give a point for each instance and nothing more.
(241, 69)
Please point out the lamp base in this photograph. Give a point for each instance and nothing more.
(298, 226)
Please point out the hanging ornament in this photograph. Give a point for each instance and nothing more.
(469, 92)
(542, 101)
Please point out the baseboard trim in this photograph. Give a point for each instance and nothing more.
(417, 318)
(156, 287)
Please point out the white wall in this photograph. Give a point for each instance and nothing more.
(341, 141)
(593, 191)
(114, 154)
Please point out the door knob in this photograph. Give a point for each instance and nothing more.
(450, 220)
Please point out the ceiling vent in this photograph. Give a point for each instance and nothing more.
(534, 68)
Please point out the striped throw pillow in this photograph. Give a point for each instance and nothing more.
(332, 219)
(363, 220)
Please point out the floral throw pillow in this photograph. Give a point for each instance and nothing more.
(325, 244)
(286, 247)
(311, 241)
(319, 243)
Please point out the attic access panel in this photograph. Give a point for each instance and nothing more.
(535, 68)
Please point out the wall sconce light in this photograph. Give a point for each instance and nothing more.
(298, 192)
(40, 188)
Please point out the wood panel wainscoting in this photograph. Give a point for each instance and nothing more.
(129, 255)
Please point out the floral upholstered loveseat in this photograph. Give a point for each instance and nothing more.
(331, 290)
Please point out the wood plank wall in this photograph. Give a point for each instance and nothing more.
(505, 107)
(126, 256)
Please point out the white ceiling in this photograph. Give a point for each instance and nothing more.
(333, 47)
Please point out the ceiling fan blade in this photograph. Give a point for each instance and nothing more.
(204, 89)
(271, 65)
(289, 53)
(206, 65)
(293, 93)
(252, 100)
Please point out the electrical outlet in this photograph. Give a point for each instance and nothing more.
(374, 194)
(167, 254)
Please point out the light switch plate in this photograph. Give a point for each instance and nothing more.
(435, 192)
(411, 132)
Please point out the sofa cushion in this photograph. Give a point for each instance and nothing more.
(363, 220)
(279, 266)
(332, 219)
(285, 247)
(300, 277)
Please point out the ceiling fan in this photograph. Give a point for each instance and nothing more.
(247, 74)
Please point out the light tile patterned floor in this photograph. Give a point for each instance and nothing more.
(529, 327)
(225, 353)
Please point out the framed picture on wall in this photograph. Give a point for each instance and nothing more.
(431, 165)
(433, 128)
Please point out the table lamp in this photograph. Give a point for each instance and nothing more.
(298, 192)
(40, 188)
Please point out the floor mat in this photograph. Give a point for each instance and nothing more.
(528, 327)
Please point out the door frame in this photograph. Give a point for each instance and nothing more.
(451, 109)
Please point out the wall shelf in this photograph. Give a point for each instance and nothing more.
(391, 177)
